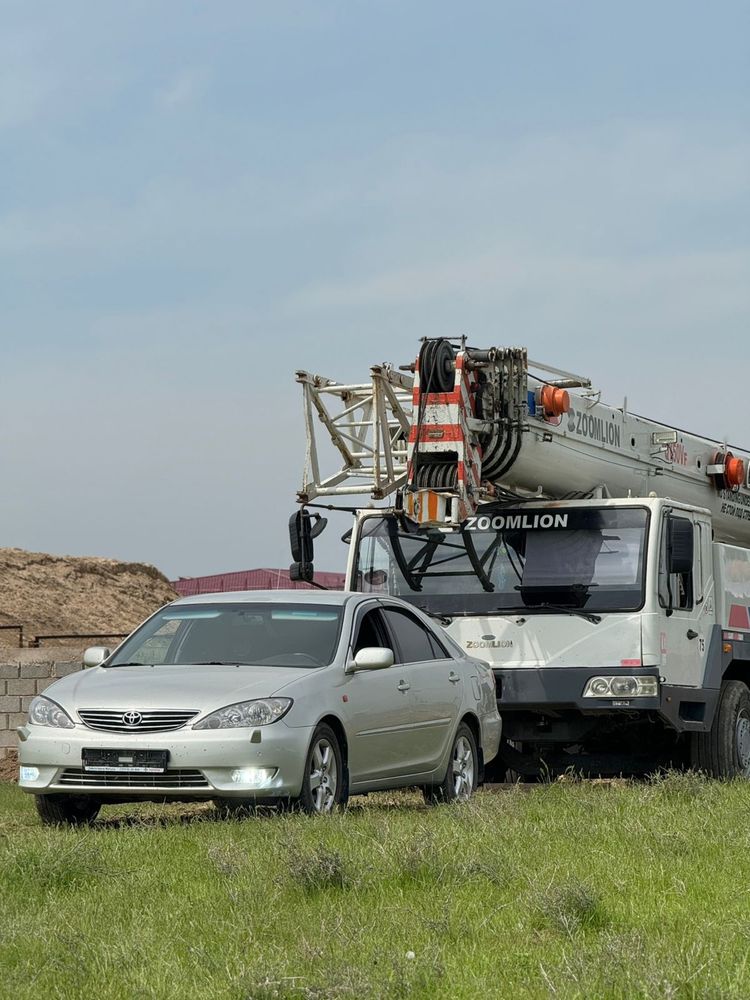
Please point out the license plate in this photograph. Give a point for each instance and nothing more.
(125, 761)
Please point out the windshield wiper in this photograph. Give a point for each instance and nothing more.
(220, 663)
(129, 664)
(594, 619)
(578, 592)
(493, 612)
(443, 619)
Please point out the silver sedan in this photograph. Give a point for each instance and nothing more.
(277, 697)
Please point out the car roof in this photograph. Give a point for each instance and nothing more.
(336, 597)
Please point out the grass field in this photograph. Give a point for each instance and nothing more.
(566, 890)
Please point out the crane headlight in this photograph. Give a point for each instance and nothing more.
(621, 687)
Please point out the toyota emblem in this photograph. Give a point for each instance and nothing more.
(132, 718)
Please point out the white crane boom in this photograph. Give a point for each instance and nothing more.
(474, 425)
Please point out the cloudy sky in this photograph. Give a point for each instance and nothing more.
(198, 198)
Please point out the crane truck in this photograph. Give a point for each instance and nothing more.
(598, 560)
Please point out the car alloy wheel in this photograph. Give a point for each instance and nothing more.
(462, 775)
(324, 784)
(323, 776)
(463, 769)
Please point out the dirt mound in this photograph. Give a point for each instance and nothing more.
(64, 594)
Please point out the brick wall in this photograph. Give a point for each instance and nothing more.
(23, 674)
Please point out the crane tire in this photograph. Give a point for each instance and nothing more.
(724, 751)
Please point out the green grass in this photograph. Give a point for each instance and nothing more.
(567, 890)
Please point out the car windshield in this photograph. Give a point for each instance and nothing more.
(262, 634)
(520, 560)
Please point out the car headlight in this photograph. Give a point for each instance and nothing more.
(621, 687)
(44, 712)
(261, 712)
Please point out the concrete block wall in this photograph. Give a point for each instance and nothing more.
(25, 673)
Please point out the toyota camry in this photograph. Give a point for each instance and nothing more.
(280, 697)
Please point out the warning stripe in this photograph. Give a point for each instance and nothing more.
(462, 392)
(444, 429)
(739, 616)
(435, 433)
(432, 506)
(436, 398)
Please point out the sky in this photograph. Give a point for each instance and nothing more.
(197, 199)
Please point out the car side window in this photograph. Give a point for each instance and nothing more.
(370, 632)
(438, 649)
(416, 643)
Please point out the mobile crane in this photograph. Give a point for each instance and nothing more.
(598, 560)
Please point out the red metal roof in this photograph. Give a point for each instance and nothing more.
(251, 579)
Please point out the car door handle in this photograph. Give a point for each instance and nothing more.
(453, 677)
(403, 685)
(692, 634)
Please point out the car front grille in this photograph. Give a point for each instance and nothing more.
(169, 781)
(126, 720)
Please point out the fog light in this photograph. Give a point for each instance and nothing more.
(29, 773)
(253, 777)
(621, 687)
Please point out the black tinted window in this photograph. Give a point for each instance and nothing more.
(438, 649)
(414, 640)
(675, 589)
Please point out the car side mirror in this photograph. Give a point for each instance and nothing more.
(373, 658)
(95, 655)
(679, 545)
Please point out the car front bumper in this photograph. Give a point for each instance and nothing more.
(201, 765)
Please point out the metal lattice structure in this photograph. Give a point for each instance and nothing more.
(368, 423)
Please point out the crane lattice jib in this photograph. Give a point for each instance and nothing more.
(368, 425)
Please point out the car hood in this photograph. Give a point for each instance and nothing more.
(167, 686)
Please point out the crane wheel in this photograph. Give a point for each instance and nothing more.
(724, 752)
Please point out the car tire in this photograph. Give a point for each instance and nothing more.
(241, 808)
(235, 808)
(724, 751)
(462, 774)
(324, 781)
(66, 810)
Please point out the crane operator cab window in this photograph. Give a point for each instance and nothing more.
(676, 588)
(510, 560)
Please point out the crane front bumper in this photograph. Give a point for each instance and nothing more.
(547, 689)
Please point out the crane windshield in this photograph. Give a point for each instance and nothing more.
(508, 561)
